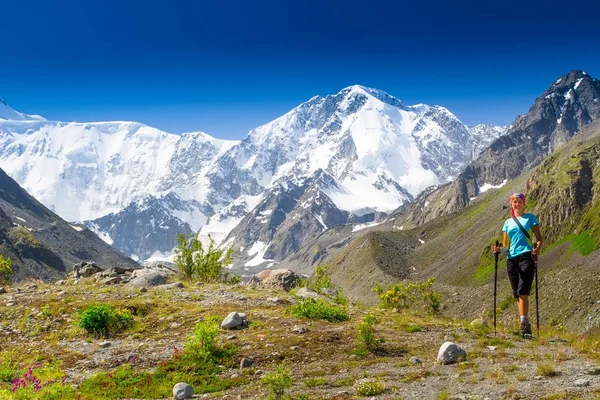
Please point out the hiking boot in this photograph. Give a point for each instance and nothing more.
(525, 329)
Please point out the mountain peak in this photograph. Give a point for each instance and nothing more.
(8, 113)
(570, 80)
(372, 92)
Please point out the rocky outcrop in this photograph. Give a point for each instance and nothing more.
(40, 244)
(568, 105)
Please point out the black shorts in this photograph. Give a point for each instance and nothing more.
(521, 270)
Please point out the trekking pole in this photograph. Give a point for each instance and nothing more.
(537, 308)
(496, 281)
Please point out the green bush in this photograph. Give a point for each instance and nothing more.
(410, 295)
(5, 270)
(319, 309)
(202, 264)
(21, 235)
(101, 320)
(9, 369)
(368, 387)
(202, 344)
(319, 279)
(278, 382)
(366, 333)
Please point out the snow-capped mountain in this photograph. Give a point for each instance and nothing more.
(84, 171)
(7, 113)
(361, 151)
(484, 134)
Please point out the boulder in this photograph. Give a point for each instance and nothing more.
(147, 278)
(451, 353)
(232, 321)
(277, 278)
(307, 293)
(182, 391)
(87, 270)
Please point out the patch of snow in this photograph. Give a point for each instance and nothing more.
(160, 256)
(486, 186)
(103, 235)
(577, 83)
(569, 94)
(77, 228)
(421, 241)
(258, 249)
(19, 218)
(359, 227)
(320, 219)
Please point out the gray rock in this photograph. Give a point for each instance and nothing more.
(307, 293)
(232, 321)
(245, 363)
(2, 290)
(299, 329)
(582, 382)
(175, 285)
(478, 323)
(182, 391)
(414, 360)
(595, 371)
(451, 353)
(149, 278)
(104, 344)
(112, 281)
(278, 278)
(88, 270)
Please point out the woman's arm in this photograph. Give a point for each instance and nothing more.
(538, 237)
(504, 247)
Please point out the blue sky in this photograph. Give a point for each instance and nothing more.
(225, 67)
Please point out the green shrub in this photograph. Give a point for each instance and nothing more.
(409, 295)
(101, 320)
(546, 369)
(366, 333)
(9, 369)
(21, 235)
(314, 382)
(5, 270)
(195, 262)
(319, 279)
(319, 309)
(278, 382)
(368, 387)
(202, 343)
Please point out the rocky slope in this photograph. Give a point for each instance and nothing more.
(566, 107)
(41, 244)
(320, 355)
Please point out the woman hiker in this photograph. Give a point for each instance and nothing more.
(520, 251)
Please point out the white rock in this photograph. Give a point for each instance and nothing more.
(451, 353)
(582, 382)
(182, 391)
(232, 321)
